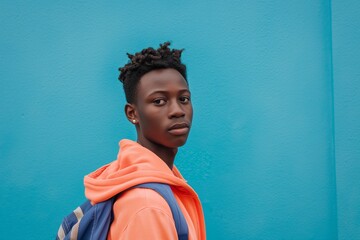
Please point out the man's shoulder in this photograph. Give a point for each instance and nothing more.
(136, 199)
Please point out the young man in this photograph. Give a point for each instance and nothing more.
(159, 106)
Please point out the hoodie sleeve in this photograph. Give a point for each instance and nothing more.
(150, 223)
(142, 214)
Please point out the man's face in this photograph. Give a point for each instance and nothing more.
(164, 108)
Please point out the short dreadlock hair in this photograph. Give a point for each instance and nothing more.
(145, 61)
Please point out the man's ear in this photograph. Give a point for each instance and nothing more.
(131, 114)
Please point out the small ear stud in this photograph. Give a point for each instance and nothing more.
(133, 121)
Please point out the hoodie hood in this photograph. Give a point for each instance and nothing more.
(135, 165)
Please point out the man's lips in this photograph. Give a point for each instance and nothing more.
(179, 129)
(179, 125)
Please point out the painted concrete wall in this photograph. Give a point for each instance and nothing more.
(261, 153)
(346, 52)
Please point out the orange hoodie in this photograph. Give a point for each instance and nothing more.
(143, 213)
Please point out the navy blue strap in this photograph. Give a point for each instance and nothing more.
(165, 191)
(90, 222)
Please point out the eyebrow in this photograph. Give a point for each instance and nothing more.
(164, 92)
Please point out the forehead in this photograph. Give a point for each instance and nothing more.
(161, 80)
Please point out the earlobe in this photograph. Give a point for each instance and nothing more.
(130, 113)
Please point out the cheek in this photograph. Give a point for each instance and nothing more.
(150, 118)
(190, 112)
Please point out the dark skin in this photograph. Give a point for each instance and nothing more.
(162, 112)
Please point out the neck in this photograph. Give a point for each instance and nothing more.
(164, 153)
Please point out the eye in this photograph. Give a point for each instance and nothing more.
(184, 99)
(159, 101)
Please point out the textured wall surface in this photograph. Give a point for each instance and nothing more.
(346, 59)
(265, 146)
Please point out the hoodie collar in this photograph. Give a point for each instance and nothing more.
(134, 165)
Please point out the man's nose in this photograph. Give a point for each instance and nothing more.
(176, 110)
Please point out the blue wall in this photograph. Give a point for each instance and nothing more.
(274, 149)
(346, 52)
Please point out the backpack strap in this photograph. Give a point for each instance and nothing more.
(165, 191)
(92, 222)
(87, 221)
